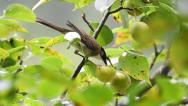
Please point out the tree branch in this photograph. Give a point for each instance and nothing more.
(157, 53)
(164, 72)
(121, 2)
(78, 69)
(105, 17)
(116, 101)
(119, 9)
(183, 102)
(103, 20)
(19, 69)
(75, 74)
(87, 22)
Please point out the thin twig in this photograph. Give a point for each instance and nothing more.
(119, 9)
(19, 69)
(78, 69)
(116, 102)
(121, 2)
(87, 22)
(75, 74)
(105, 17)
(183, 102)
(103, 20)
(157, 53)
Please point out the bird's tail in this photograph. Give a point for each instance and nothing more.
(55, 27)
(74, 28)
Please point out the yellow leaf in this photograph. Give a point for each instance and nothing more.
(123, 36)
(52, 52)
(117, 17)
(55, 40)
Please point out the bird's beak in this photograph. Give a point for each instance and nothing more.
(104, 57)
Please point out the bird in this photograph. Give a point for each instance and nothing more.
(87, 44)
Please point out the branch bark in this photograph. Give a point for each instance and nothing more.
(87, 22)
(164, 72)
(105, 17)
(103, 20)
(78, 69)
(157, 53)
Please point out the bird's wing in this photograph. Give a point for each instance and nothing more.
(89, 41)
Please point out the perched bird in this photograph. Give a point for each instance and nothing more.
(87, 45)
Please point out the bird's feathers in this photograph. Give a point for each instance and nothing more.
(89, 41)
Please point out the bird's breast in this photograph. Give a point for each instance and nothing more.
(85, 50)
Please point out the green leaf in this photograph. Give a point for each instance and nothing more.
(33, 69)
(58, 103)
(167, 88)
(150, 98)
(47, 41)
(42, 82)
(113, 52)
(3, 53)
(17, 49)
(90, 67)
(126, 47)
(19, 11)
(135, 65)
(167, 8)
(115, 5)
(55, 40)
(8, 62)
(97, 95)
(5, 44)
(178, 53)
(50, 89)
(106, 36)
(167, 2)
(17, 41)
(133, 90)
(32, 102)
(80, 3)
(40, 41)
(27, 79)
(52, 63)
(13, 68)
(8, 26)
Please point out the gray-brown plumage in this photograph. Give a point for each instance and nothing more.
(87, 40)
(60, 29)
(88, 46)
